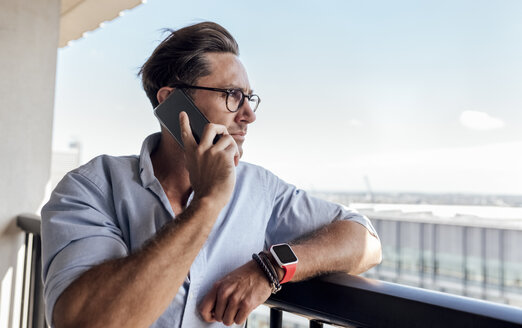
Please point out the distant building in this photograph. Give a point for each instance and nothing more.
(63, 161)
(466, 249)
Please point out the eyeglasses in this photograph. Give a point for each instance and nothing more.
(235, 97)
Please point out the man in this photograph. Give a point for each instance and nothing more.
(166, 239)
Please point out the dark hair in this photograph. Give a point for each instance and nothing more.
(180, 57)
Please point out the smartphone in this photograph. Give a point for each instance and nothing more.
(168, 114)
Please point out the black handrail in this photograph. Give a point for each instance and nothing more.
(356, 301)
(29, 223)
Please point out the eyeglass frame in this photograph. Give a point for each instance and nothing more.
(227, 92)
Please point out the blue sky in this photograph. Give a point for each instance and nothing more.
(418, 96)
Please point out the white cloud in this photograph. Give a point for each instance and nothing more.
(480, 121)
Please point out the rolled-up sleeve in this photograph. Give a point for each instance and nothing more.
(79, 231)
(296, 214)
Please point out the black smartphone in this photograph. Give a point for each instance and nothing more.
(168, 114)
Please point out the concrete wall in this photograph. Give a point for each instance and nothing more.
(28, 48)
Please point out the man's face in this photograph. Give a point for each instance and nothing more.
(227, 72)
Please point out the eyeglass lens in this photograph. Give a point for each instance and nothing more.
(235, 99)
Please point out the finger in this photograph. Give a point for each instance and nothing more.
(224, 143)
(186, 131)
(233, 151)
(242, 313)
(229, 146)
(221, 305)
(231, 310)
(210, 132)
(236, 157)
(207, 305)
(219, 309)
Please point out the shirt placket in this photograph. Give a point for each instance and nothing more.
(191, 317)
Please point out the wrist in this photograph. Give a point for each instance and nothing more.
(264, 266)
(286, 259)
(280, 271)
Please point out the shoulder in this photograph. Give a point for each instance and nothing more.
(104, 163)
(102, 170)
(251, 171)
(91, 185)
(258, 177)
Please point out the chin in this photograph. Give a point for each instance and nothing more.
(239, 147)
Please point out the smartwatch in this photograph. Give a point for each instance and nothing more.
(286, 259)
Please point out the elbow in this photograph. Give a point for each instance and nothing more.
(375, 251)
(371, 255)
(378, 254)
(372, 260)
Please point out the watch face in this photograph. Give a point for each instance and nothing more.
(284, 253)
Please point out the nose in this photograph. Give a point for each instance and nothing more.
(245, 113)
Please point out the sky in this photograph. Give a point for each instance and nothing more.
(417, 96)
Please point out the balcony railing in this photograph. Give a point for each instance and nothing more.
(353, 301)
(339, 299)
(32, 309)
(468, 256)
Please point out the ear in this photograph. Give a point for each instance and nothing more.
(163, 93)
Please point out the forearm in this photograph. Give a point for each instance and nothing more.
(342, 246)
(135, 290)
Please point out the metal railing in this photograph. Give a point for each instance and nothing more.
(32, 309)
(353, 301)
(339, 299)
(476, 261)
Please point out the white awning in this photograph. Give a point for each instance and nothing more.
(79, 16)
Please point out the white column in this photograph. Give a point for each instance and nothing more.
(28, 46)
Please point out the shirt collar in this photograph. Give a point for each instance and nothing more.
(148, 179)
(146, 169)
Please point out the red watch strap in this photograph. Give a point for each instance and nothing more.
(289, 272)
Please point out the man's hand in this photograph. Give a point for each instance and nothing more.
(211, 167)
(232, 298)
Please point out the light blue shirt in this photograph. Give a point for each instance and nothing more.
(109, 207)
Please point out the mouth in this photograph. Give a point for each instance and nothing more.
(239, 135)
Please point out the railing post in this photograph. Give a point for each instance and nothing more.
(434, 252)
(276, 318)
(378, 224)
(316, 324)
(25, 293)
(38, 306)
(422, 264)
(465, 276)
(484, 263)
(501, 258)
(398, 249)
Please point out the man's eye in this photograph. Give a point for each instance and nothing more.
(236, 94)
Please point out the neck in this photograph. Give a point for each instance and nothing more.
(168, 162)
